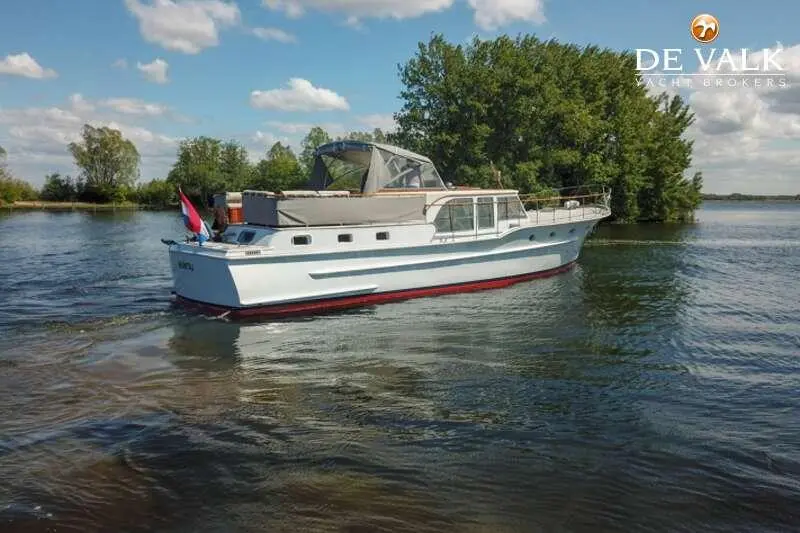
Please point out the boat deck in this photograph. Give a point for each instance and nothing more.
(558, 215)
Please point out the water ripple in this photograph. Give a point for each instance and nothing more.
(652, 388)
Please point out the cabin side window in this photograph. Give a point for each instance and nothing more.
(382, 236)
(485, 213)
(457, 214)
(345, 237)
(301, 240)
(442, 220)
(510, 208)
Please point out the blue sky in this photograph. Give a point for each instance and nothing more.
(166, 69)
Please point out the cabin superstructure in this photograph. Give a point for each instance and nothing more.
(351, 183)
(362, 183)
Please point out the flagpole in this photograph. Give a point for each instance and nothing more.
(192, 219)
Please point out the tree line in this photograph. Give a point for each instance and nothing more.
(109, 170)
(206, 165)
(547, 115)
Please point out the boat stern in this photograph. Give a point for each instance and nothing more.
(201, 275)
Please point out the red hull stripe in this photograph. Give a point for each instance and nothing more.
(346, 302)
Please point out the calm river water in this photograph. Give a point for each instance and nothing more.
(656, 387)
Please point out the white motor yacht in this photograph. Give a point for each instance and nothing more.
(376, 224)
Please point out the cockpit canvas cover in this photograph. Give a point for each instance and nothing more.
(377, 166)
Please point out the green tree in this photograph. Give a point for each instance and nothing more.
(234, 166)
(666, 194)
(196, 169)
(547, 115)
(58, 189)
(315, 138)
(156, 193)
(280, 170)
(206, 165)
(375, 135)
(109, 163)
(4, 174)
(12, 189)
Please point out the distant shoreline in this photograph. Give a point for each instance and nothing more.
(127, 206)
(80, 206)
(736, 197)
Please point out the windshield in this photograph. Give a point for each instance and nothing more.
(407, 173)
(344, 175)
(364, 168)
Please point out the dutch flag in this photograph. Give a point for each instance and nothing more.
(192, 220)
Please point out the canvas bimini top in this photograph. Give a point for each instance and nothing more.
(368, 167)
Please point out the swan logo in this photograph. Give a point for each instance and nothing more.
(705, 28)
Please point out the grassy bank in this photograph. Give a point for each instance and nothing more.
(80, 206)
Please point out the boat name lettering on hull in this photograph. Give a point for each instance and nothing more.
(185, 265)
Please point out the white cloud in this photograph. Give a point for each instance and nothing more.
(41, 126)
(293, 8)
(721, 112)
(492, 14)
(41, 132)
(274, 34)
(747, 128)
(260, 142)
(489, 14)
(362, 123)
(80, 105)
(301, 95)
(36, 138)
(385, 122)
(25, 66)
(300, 128)
(267, 139)
(656, 82)
(134, 106)
(356, 9)
(354, 23)
(163, 144)
(39, 116)
(155, 71)
(186, 26)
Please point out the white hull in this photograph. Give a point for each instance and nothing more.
(258, 283)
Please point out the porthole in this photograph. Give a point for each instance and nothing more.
(301, 240)
(572, 230)
(382, 236)
(345, 237)
(552, 233)
(532, 238)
